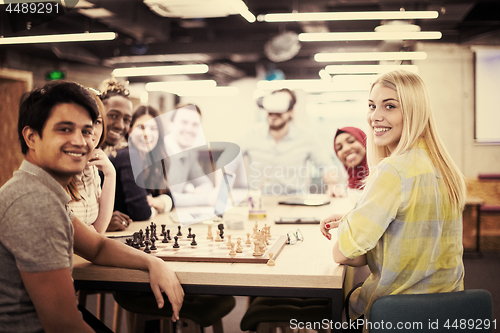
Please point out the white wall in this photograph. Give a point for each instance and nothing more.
(448, 73)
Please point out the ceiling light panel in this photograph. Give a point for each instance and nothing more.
(161, 70)
(349, 16)
(369, 56)
(360, 36)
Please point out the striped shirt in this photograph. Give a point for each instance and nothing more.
(89, 187)
(405, 225)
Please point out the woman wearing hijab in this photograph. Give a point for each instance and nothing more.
(350, 147)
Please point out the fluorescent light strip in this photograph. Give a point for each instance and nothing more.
(369, 56)
(349, 16)
(367, 69)
(174, 86)
(311, 85)
(161, 70)
(61, 38)
(215, 91)
(352, 36)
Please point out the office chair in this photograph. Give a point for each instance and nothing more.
(198, 311)
(463, 311)
(265, 314)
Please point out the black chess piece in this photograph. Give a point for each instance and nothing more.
(137, 240)
(221, 228)
(163, 226)
(147, 233)
(176, 244)
(189, 234)
(179, 233)
(153, 246)
(141, 234)
(165, 238)
(147, 250)
(168, 234)
(155, 236)
(129, 241)
(193, 243)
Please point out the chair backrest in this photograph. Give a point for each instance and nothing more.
(463, 311)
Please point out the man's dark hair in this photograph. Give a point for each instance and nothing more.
(35, 107)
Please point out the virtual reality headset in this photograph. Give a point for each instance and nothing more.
(279, 101)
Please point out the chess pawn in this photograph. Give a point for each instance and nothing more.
(147, 250)
(218, 239)
(248, 241)
(229, 241)
(239, 248)
(153, 246)
(209, 234)
(271, 262)
(256, 251)
(255, 228)
(232, 252)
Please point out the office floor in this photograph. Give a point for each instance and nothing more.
(481, 272)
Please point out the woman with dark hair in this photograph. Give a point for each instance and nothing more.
(91, 203)
(142, 189)
(350, 147)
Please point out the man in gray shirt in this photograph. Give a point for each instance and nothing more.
(38, 232)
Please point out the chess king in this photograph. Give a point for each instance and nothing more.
(55, 130)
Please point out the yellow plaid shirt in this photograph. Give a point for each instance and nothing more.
(405, 225)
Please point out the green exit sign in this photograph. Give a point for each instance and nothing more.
(55, 75)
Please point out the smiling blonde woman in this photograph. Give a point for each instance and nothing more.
(407, 225)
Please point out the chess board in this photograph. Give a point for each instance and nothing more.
(208, 250)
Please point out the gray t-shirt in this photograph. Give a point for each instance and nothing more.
(36, 235)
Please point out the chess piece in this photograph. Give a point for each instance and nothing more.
(168, 235)
(163, 226)
(262, 246)
(147, 250)
(176, 244)
(221, 228)
(209, 234)
(193, 243)
(141, 234)
(189, 234)
(179, 233)
(147, 233)
(228, 241)
(165, 238)
(255, 228)
(239, 248)
(232, 252)
(248, 241)
(256, 251)
(218, 239)
(271, 262)
(153, 246)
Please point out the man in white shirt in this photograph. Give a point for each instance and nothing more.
(189, 184)
(278, 153)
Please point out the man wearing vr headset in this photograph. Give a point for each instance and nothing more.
(278, 153)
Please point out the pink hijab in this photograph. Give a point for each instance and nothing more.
(359, 172)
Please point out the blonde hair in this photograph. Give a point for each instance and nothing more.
(418, 122)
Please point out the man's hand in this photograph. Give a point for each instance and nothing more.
(163, 279)
(328, 223)
(119, 221)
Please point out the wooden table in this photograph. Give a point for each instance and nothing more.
(305, 269)
(472, 212)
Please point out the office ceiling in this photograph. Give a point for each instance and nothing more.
(231, 46)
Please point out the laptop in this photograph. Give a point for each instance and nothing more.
(194, 214)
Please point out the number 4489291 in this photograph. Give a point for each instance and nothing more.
(471, 324)
(32, 8)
